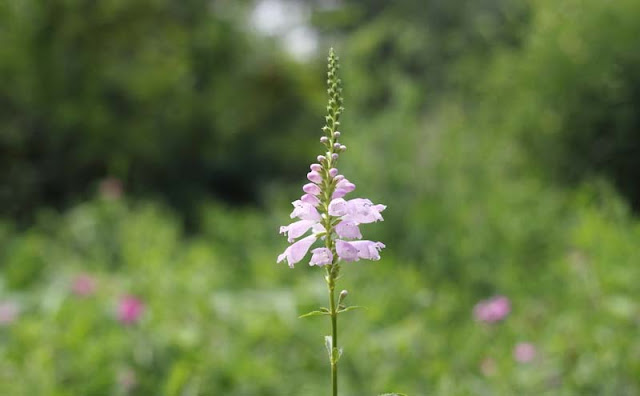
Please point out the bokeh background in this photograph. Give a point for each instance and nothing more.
(150, 149)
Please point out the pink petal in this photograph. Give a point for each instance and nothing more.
(321, 256)
(311, 188)
(304, 211)
(368, 250)
(363, 211)
(348, 229)
(346, 185)
(298, 250)
(346, 251)
(339, 193)
(310, 199)
(314, 176)
(297, 229)
(338, 207)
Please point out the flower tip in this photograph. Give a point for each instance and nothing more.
(316, 167)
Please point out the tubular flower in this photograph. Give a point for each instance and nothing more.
(330, 218)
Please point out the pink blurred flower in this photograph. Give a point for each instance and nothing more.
(524, 352)
(492, 310)
(83, 285)
(110, 188)
(9, 312)
(130, 309)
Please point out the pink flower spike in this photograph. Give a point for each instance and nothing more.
(316, 167)
(83, 285)
(524, 352)
(297, 251)
(310, 199)
(348, 229)
(297, 229)
(130, 309)
(346, 251)
(338, 207)
(321, 256)
(304, 211)
(311, 188)
(368, 250)
(314, 176)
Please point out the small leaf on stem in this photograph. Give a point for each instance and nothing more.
(314, 313)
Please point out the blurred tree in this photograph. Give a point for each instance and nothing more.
(572, 93)
(169, 96)
(434, 46)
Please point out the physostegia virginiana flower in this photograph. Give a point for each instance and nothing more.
(332, 222)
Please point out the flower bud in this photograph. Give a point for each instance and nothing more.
(336, 134)
(324, 139)
(314, 176)
(336, 146)
(311, 188)
(339, 178)
(310, 199)
(321, 158)
(343, 147)
(343, 295)
(316, 167)
(333, 172)
(334, 156)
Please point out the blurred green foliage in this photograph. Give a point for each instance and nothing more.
(571, 94)
(175, 100)
(502, 135)
(221, 317)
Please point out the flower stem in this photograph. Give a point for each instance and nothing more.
(334, 334)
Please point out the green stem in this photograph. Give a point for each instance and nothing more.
(334, 335)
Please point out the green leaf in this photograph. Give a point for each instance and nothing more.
(323, 311)
(350, 308)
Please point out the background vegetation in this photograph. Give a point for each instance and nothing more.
(149, 149)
